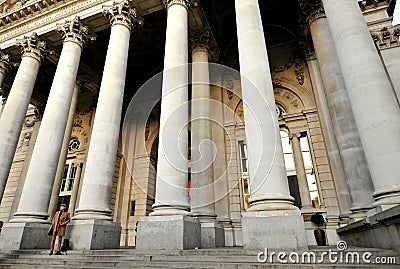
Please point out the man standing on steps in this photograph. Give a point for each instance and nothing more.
(58, 227)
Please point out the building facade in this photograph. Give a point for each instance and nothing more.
(135, 114)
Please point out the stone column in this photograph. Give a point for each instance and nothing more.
(301, 172)
(13, 114)
(64, 152)
(75, 189)
(272, 220)
(4, 64)
(351, 152)
(171, 208)
(202, 174)
(94, 215)
(221, 185)
(374, 105)
(31, 219)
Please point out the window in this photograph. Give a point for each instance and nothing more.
(68, 179)
(310, 172)
(133, 207)
(245, 179)
(74, 144)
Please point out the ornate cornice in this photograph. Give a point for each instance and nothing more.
(387, 37)
(200, 39)
(74, 31)
(312, 9)
(4, 62)
(186, 3)
(12, 10)
(32, 46)
(371, 4)
(122, 13)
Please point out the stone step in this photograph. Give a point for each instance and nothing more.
(193, 259)
(201, 266)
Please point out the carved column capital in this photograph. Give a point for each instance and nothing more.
(312, 9)
(123, 13)
(74, 31)
(32, 46)
(4, 62)
(186, 3)
(200, 40)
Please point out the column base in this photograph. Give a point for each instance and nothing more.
(280, 230)
(15, 236)
(212, 235)
(177, 232)
(93, 234)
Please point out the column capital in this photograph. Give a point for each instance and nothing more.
(122, 13)
(200, 40)
(4, 62)
(186, 3)
(312, 9)
(292, 135)
(33, 47)
(75, 31)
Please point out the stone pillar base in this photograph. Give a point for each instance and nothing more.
(93, 234)
(280, 230)
(168, 232)
(15, 236)
(212, 235)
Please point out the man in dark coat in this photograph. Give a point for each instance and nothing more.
(58, 227)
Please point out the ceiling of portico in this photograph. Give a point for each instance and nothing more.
(280, 19)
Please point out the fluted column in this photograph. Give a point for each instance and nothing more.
(97, 182)
(33, 206)
(172, 165)
(374, 105)
(64, 152)
(355, 166)
(300, 171)
(270, 200)
(13, 113)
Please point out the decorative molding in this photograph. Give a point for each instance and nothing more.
(371, 4)
(387, 37)
(42, 16)
(15, 9)
(4, 62)
(123, 13)
(32, 46)
(297, 63)
(74, 31)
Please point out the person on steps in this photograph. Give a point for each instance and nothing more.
(58, 227)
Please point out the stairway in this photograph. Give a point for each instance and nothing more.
(232, 258)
